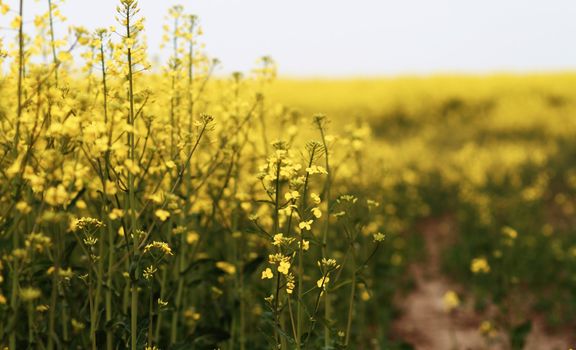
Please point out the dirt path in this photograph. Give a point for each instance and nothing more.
(427, 325)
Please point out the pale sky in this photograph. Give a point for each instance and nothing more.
(363, 37)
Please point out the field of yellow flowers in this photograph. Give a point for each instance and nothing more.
(147, 207)
(491, 158)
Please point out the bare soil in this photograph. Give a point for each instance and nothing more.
(427, 325)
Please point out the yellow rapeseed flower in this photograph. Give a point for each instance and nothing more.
(450, 300)
(267, 273)
(322, 282)
(284, 267)
(479, 265)
(316, 212)
(30, 293)
(315, 198)
(161, 246)
(226, 267)
(162, 214)
(379, 237)
(192, 237)
(305, 225)
(509, 232)
(292, 195)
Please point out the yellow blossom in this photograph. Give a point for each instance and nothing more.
(479, 265)
(450, 300)
(56, 195)
(267, 273)
(192, 237)
(322, 282)
(226, 267)
(30, 293)
(316, 169)
(23, 207)
(42, 308)
(316, 212)
(379, 237)
(305, 225)
(162, 214)
(161, 246)
(293, 195)
(149, 272)
(15, 24)
(64, 56)
(509, 232)
(116, 214)
(315, 198)
(284, 267)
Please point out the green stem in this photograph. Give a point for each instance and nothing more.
(30, 325)
(54, 293)
(131, 191)
(93, 312)
(179, 291)
(276, 228)
(134, 316)
(162, 296)
(327, 306)
(351, 300)
(52, 41)
(64, 316)
(150, 320)
(108, 294)
(20, 78)
(111, 248)
(301, 256)
(14, 300)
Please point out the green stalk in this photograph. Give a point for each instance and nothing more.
(327, 306)
(52, 41)
(91, 303)
(108, 293)
(190, 87)
(276, 228)
(134, 316)
(238, 248)
(54, 295)
(14, 302)
(301, 256)
(64, 316)
(20, 79)
(181, 263)
(131, 191)
(111, 255)
(150, 315)
(173, 97)
(321, 292)
(351, 300)
(162, 292)
(163, 287)
(30, 325)
(99, 282)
